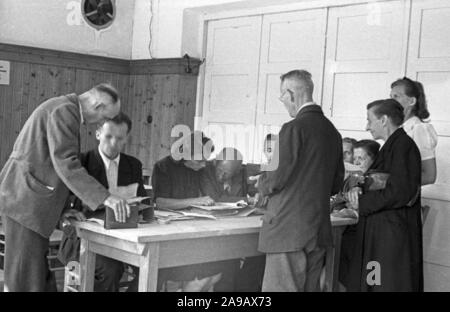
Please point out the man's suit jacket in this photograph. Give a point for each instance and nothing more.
(309, 171)
(129, 172)
(44, 165)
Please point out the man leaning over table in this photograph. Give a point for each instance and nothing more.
(296, 227)
(36, 179)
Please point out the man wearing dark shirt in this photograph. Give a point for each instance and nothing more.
(225, 180)
(176, 185)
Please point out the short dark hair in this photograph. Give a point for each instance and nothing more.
(108, 89)
(351, 141)
(121, 118)
(414, 89)
(300, 75)
(370, 146)
(390, 108)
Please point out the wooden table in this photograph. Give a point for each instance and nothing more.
(154, 246)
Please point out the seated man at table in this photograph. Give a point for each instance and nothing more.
(176, 185)
(112, 169)
(225, 180)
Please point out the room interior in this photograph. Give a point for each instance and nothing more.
(209, 64)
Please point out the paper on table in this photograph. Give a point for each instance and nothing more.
(128, 192)
(179, 213)
(97, 220)
(137, 200)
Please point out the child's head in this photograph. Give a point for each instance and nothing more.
(269, 145)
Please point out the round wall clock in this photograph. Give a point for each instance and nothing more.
(99, 14)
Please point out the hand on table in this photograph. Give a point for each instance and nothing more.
(259, 200)
(119, 206)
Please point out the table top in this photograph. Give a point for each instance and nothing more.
(189, 229)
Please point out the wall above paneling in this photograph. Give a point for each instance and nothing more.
(59, 25)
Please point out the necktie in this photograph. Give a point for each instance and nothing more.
(112, 175)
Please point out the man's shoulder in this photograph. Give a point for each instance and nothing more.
(61, 102)
(131, 159)
(404, 141)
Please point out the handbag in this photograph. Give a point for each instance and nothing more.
(375, 180)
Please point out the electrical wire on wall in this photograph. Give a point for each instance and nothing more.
(150, 30)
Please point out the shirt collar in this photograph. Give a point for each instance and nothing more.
(108, 161)
(304, 105)
(81, 112)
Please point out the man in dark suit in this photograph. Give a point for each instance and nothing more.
(36, 179)
(112, 169)
(296, 227)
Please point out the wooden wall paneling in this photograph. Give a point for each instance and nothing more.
(6, 101)
(170, 100)
(187, 94)
(17, 103)
(164, 107)
(141, 105)
(160, 88)
(169, 112)
(129, 110)
(155, 134)
(146, 110)
(41, 56)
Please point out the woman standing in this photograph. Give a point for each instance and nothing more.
(411, 96)
(387, 246)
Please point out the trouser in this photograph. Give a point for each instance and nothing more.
(108, 273)
(26, 265)
(297, 271)
(250, 277)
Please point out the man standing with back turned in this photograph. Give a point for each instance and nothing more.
(296, 227)
(36, 179)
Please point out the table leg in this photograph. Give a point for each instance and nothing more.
(148, 268)
(87, 267)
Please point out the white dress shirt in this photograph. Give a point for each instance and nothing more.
(424, 136)
(111, 168)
